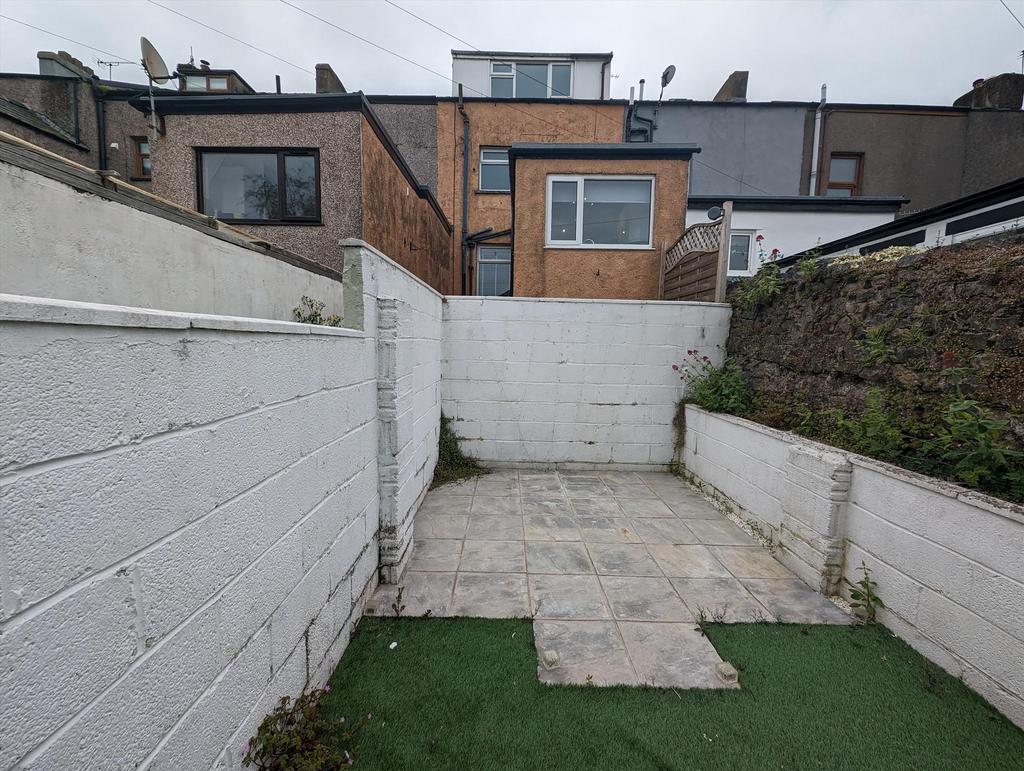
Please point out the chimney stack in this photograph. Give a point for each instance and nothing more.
(327, 80)
(1000, 92)
(734, 89)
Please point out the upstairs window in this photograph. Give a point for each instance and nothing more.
(531, 80)
(494, 169)
(268, 186)
(608, 212)
(740, 248)
(502, 80)
(494, 271)
(141, 163)
(205, 83)
(844, 175)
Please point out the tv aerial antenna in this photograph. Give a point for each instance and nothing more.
(110, 66)
(157, 72)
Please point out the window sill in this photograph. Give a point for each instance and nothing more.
(603, 247)
(493, 192)
(307, 223)
(140, 179)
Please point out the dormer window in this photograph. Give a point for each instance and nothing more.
(206, 83)
(531, 80)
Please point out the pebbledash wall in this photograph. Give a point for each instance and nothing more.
(576, 383)
(949, 562)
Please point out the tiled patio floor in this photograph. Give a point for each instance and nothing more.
(613, 567)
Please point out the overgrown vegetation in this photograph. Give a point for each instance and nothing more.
(863, 599)
(452, 463)
(311, 311)
(761, 287)
(718, 389)
(299, 736)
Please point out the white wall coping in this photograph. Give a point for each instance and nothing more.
(591, 301)
(45, 310)
(358, 242)
(989, 503)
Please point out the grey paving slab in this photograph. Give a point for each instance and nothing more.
(588, 652)
(644, 599)
(679, 494)
(664, 531)
(490, 506)
(699, 509)
(546, 506)
(495, 528)
(596, 507)
(749, 562)
(563, 558)
(720, 532)
(644, 507)
(421, 592)
(793, 602)
(687, 561)
(493, 557)
(587, 490)
(539, 476)
(724, 600)
(497, 487)
(613, 559)
(440, 526)
(672, 655)
(623, 490)
(621, 477)
(552, 528)
(578, 597)
(435, 554)
(607, 530)
(442, 503)
(491, 595)
(461, 487)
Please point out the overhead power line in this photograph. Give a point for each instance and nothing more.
(1009, 11)
(232, 37)
(70, 40)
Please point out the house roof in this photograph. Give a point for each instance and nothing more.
(616, 151)
(476, 54)
(799, 203)
(26, 116)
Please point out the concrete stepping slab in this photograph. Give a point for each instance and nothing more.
(720, 532)
(596, 507)
(607, 530)
(493, 557)
(663, 531)
(552, 528)
(440, 526)
(495, 528)
(687, 561)
(421, 592)
(749, 562)
(437, 555)
(561, 558)
(491, 595)
(487, 506)
(588, 653)
(568, 597)
(644, 599)
(793, 602)
(723, 600)
(612, 559)
(672, 655)
(645, 507)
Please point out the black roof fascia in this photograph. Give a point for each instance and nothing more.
(429, 99)
(990, 197)
(800, 202)
(475, 54)
(618, 151)
(249, 104)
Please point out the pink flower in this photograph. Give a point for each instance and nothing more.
(327, 688)
(675, 367)
(759, 237)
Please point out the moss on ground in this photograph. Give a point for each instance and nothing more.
(452, 463)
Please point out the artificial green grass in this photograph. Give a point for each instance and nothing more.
(463, 694)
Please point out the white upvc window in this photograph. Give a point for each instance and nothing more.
(494, 271)
(741, 253)
(494, 169)
(599, 211)
(531, 80)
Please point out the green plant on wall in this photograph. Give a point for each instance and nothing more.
(311, 311)
(452, 463)
(875, 432)
(761, 287)
(973, 443)
(874, 348)
(863, 599)
(716, 389)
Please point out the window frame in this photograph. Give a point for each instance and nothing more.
(480, 261)
(480, 171)
(138, 170)
(514, 77)
(207, 89)
(580, 180)
(751, 268)
(853, 187)
(282, 153)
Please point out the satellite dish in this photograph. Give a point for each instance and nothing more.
(153, 63)
(714, 213)
(667, 75)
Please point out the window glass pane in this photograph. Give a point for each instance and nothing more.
(195, 82)
(563, 211)
(561, 79)
(300, 181)
(495, 253)
(143, 148)
(494, 279)
(147, 167)
(240, 186)
(496, 68)
(494, 176)
(739, 252)
(839, 192)
(494, 155)
(616, 211)
(219, 84)
(532, 81)
(501, 87)
(843, 170)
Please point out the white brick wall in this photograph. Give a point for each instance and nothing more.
(949, 562)
(570, 382)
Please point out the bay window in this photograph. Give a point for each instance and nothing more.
(611, 212)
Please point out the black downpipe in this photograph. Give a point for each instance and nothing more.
(465, 187)
(78, 121)
(101, 127)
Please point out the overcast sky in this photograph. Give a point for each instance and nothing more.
(904, 51)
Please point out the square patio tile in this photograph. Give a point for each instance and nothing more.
(613, 559)
(644, 507)
(441, 503)
(552, 528)
(562, 558)
(665, 531)
(749, 562)
(625, 490)
(578, 597)
(794, 602)
(461, 487)
(678, 494)
(546, 507)
(672, 655)
(580, 477)
(497, 487)
(440, 526)
(596, 507)
(493, 557)
(695, 509)
(539, 476)
(495, 528)
(588, 652)
(546, 496)
(720, 532)
(644, 599)
(687, 561)
(420, 592)
(722, 599)
(607, 530)
(435, 554)
(487, 506)
(491, 595)
(596, 490)
(621, 477)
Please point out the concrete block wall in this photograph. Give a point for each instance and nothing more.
(570, 382)
(949, 562)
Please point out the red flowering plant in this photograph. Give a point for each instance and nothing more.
(717, 389)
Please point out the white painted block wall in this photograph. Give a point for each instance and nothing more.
(949, 562)
(570, 382)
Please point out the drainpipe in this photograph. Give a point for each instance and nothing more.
(604, 65)
(465, 186)
(101, 128)
(816, 150)
(78, 122)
